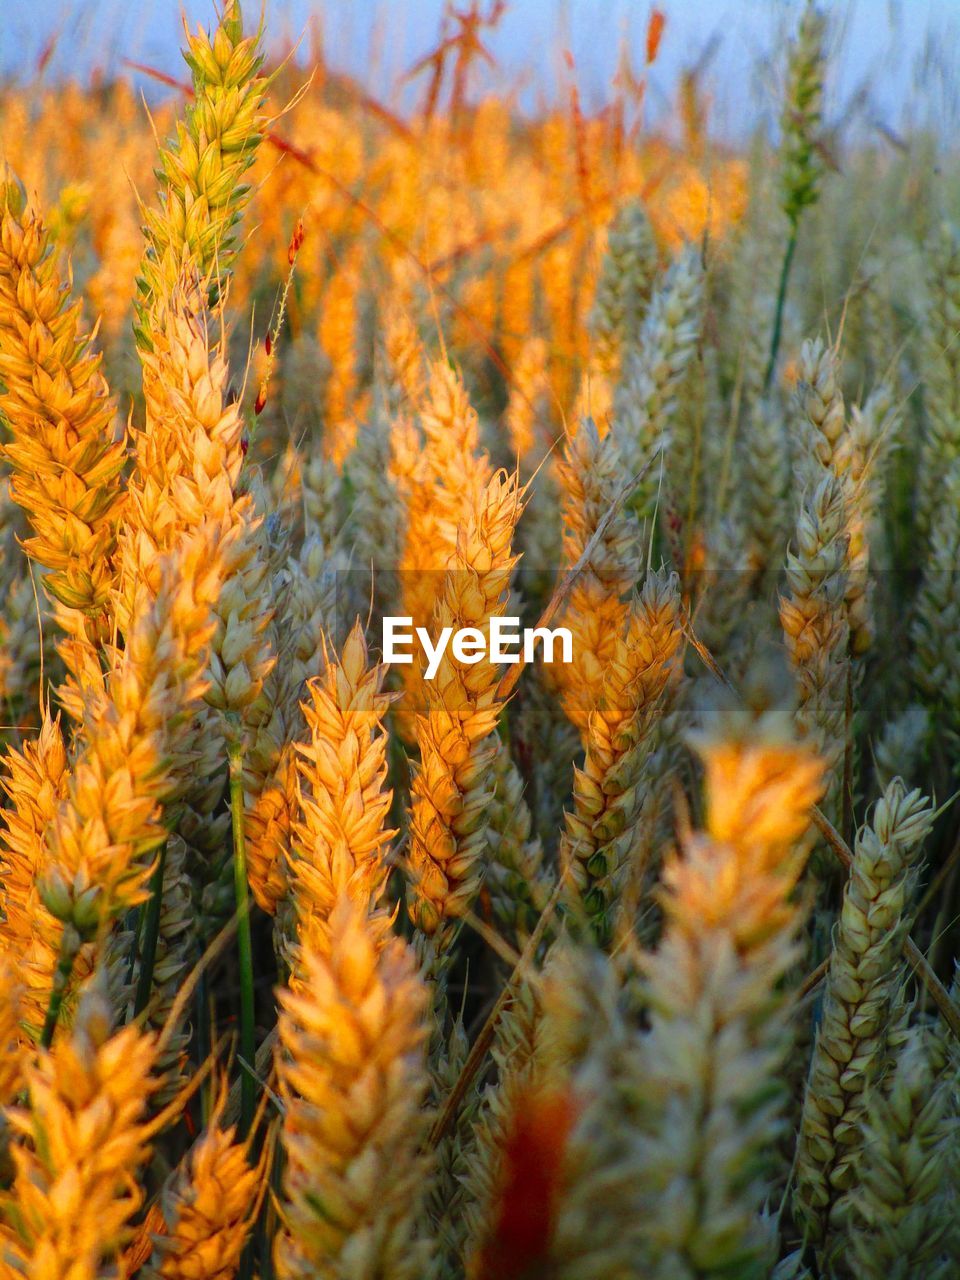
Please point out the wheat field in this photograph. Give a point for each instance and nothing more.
(336, 941)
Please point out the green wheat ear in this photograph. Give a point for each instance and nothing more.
(800, 160)
(860, 1008)
(802, 116)
(202, 196)
(902, 1221)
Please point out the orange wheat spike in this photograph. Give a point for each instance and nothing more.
(453, 785)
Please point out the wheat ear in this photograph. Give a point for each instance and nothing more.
(79, 1144)
(866, 971)
(353, 1079)
(712, 1063)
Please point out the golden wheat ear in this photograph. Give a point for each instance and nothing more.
(209, 1205)
(611, 789)
(353, 1080)
(340, 835)
(83, 1126)
(64, 451)
(136, 754)
(452, 788)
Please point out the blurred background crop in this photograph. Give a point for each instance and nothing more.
(891, 62)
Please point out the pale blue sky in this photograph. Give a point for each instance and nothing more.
(907, 50)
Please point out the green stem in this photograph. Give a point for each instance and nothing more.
(781, 300)
(248, 1044)
(151, 932)
(69, 946)
(133, 924)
